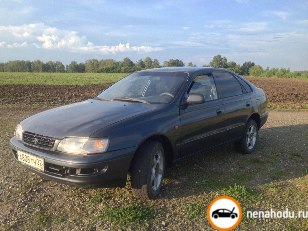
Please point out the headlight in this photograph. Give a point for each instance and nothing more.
(18, 132)
(83, 145)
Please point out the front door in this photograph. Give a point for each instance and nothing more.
(200, 123)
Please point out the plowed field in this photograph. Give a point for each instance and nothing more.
(282, 93)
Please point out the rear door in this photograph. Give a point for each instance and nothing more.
(236, 102)
(199, 123)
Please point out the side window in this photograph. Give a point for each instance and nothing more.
(227, 84)
(205, 86)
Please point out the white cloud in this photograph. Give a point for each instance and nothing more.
(248, 27)
(277, 13)
(13, 45)
(227, 37)
(224, 24)
(252, 27)
(185, 27)
(303, 22)
(121, 47)
(42, 36)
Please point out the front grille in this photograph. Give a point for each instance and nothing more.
(38, 141)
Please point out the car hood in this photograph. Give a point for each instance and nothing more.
(84, 118)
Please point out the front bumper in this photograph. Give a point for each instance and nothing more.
(99, 170)
(263, 118)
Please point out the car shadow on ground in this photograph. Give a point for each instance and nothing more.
(282, 153)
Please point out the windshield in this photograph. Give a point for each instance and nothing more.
(146, 87)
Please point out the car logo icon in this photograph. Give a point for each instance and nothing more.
(224, 213)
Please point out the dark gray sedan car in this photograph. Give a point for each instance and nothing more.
(140, 125)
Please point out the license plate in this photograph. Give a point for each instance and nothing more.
(31, 160)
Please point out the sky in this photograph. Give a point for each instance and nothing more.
(271, 33)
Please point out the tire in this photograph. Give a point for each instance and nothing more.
(232, 216)
(250, 139)
(216, 216)
(148, 169)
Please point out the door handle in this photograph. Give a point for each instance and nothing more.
(247, 104)
(219, 111)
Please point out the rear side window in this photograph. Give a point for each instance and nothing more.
(245, 85)
(227, 85)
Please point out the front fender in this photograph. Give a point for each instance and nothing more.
(134, 131)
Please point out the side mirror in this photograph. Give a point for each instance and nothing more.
(195, 99)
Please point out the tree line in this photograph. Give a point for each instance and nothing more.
(127, 66)
(91, 65)
(251, 69)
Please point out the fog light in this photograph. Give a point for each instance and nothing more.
(101, 170)
(89, 171)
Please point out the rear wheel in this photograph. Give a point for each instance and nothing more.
(249, 141)
(148, 170)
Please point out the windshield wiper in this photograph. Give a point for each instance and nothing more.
(131, 100)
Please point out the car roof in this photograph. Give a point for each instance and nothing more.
(189, 70)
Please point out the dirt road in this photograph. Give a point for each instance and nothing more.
(275, 176)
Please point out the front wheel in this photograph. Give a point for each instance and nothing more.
(148, 169)
(248, 143)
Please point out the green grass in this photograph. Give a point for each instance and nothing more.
(194, 210)
(26, 78)
(255, 161)
(278, 174)
(287, 106)
(243, 178)
(241, 192)
(41, 219)
(131, 214)
(99, 197)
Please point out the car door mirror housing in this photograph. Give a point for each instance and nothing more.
(195, 99)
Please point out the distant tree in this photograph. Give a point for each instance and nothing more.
(190, 64)
(219, 62)
(92, 65)
(18, 66)
(127, 65)
(283, 72)
(148, 62)
(155, 63)
(50, 66)
(59, 66)
(27, 66)
(140, 64)
(81, 67)
(256, 71)
(109, 66)
(37, 66)
(245, 67)
(233, 66)
(73, 67)
(174, 63)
